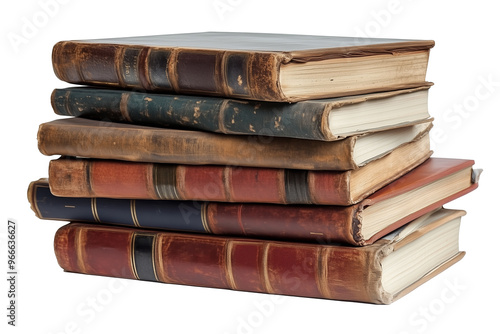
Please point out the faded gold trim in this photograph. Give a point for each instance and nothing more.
(93, 204)
(80, 250)
(124, 107)
(229, 265)
(132, 256)
(265, 274)
(153, 252)
(133, 213)
(322, 272)
(227, 176)
(204, 218)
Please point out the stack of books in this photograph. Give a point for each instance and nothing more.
(284, 164)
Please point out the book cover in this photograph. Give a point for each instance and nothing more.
(429, 186)
(257, 66)
(325, 119)
(83, 177)
(370, 274)
(109, 140)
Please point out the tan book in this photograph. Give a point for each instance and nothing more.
(106, 140)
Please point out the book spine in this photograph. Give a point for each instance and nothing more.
(342, 273)
(298, 120)
(107, 140)
(246, 75)
(321, 224)
(71, 177)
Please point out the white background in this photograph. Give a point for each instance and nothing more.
(464, 101)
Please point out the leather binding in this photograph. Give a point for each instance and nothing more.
(108, 140)
(312, 223)
(80, 177)
(304, 120)
(241, 65)
(265, 266)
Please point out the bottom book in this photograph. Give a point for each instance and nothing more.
(379, 273)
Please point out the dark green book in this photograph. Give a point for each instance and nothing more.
(324, 119)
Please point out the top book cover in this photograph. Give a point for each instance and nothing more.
(254, 66)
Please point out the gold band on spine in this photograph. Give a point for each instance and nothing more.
(133, 213)
(322, 273)
(264, 270)
(204, 218)
(132, 256)
(80, 250)
(165, 181)
(153, 257)
(93, 204)
(229, 265)
(124, 107)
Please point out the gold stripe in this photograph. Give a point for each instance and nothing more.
(124, 107)
(133, 213)
(93, 204)
(227, 174)
(70, 206)
(229, 265)
(67, 103)
(204, 218)
(132, 256)
(322, 272)
(80, 250)
(153, 252)
(265, 274)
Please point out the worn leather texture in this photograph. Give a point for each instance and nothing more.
(304, 120)
(80, 177)
(266, 266)
(312, 223)
(244, 65)
(108, 140)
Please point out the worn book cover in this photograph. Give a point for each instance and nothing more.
(108, 140)
(372, 274)
(83, 177)
(429, 186)
(257, 66)
(323, 119)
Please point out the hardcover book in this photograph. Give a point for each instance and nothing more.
(379, 273)
(427, 187)
(82, 177)
(326, 119)
(255, 66)
(108, 140)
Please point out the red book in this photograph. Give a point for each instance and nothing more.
(427, 187)
(371, 274)
(80, 177)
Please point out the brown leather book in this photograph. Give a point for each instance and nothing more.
(266, 67)
(436, 182)
(372, 274)
(108, 140)
(81, 177)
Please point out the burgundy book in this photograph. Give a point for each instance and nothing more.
(427, 187)
(378, 273)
